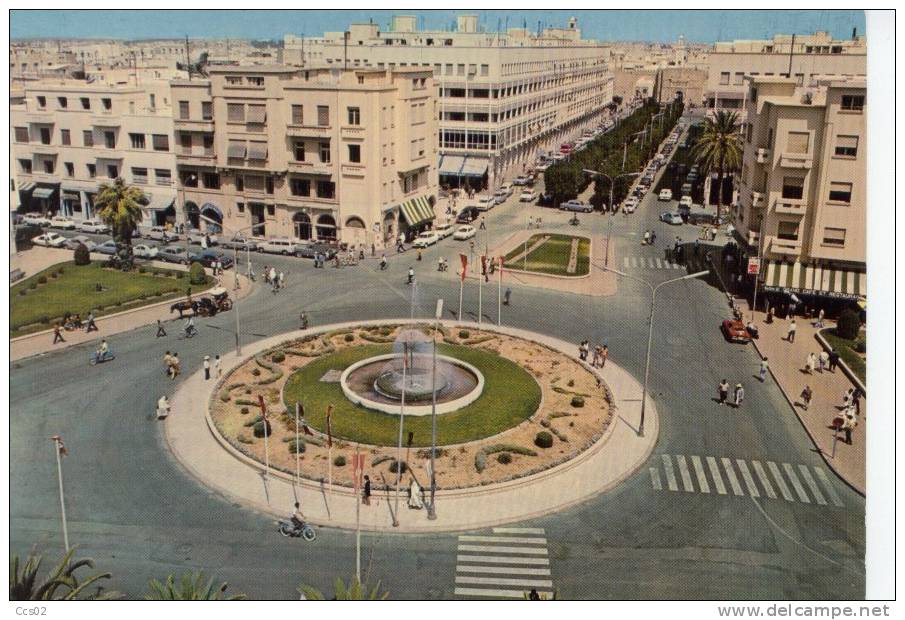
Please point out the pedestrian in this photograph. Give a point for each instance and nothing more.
(849, 422)
(806, 396)
(596, 356)
(273, 274)
(506, 296)
(483, 225)
(383, 262)
(763, 370)
(582, 350)
(769, 315)
(161, 332)
(91, 326)
(366, 492)
(604, 354)
(303, 320)
(833, 359)
(819, 323)
(419, 254)
(723, 391)
(809, 363)
(856, 400)
(217, 368)
(281, 280)
(790, 335)
(167, 362)
(739, 395)
(174, 366)
(411, 275)
(267, 271)
(823, 361)
(207, 367)
(58, 334)
(848, 397)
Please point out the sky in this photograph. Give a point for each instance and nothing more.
(704, 26)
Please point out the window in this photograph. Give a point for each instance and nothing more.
(798, 142)
(460, 69)
(235, 112)
(92, 170)
(164, 176)
(208, 141)
(793, 188)
(139, 175)
(724, 78)
(234, 80)
(211, 180)
(184, 110)
(42, 101)
(110, 139)
(185, 141)
(300, 187)
(788, 231)
(739, 76)
(255, 80)
(207, 110)
(834, 236)
(86, 103)
(271, 210)
(48, 166)
(799, 79)
(853, 102)
(268, 185)
(355, 153)
(236, 149)
(107, 103)
(326, 189)
(256, 114)
(485, 70)
(354, 116)
(65, 137)
(112, 171)
(299, 151)
(87, 138)
(137, 140)
(297, 115)
(64, 103)
(21, 134)
(325, 152)
(70, 169)
(240, 184)
(240, 207)
(161, 142)
(45, 135)
(25, 165)
(841, 192)
(323, 115)
(846, 146)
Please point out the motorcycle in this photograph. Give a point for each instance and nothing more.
(290, 529)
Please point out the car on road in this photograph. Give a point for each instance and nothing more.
(74, 242)
(575, 205)
(630, 204)
(278, 245)
(542, 166)
(671, 218)
(686, 188)
(240, 243)
(484, 202)
(107, 247)
(444, 230)
(528, 195)
(50, 240)
(143, 250)
(94, 226)
(160, 233)
(309, 250)
(735, 331)
(196, 236)
(522, 180)
(425, 239)
(208, 256)
(173, 254)
(665, 194)
(35, 219)
(685, 201)
(467, 215)
(464, 232)
(60, 221)
(503, 193)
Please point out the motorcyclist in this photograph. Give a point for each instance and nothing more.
(189, 327)
(383, 262)
(411, 276)
(297, 518)
(441, 264)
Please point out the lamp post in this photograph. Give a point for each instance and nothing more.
(650, 330)
(431, 509)
(612, 180)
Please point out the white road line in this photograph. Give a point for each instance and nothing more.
(493, 593)
(495, 549)
(518, 530)
(796, 483)
(670, 474)
(659, 264)
(518, 540)
(633, 262)
(655, 479)
(504, 570)
(686, 475)
(715, 474)
(730, 473)
(699, 473)
(834, 497)
(780, 481)
(500, 581)
(764, 480)
(625, 261)
(746, 475)
(650, 263)
(812, 484)
(499, 559)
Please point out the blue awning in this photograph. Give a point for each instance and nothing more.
(451, 164)
(212, 208)
(475, 167)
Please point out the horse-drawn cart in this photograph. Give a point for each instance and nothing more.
(217, 300)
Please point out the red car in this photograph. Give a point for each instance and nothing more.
(735, 331)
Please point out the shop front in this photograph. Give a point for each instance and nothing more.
(416, 215)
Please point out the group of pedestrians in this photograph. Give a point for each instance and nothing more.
(217, 370)
(851, 409)
(276, 280)
(825, 360)
(600, 355)
(738, 395)
(72, 322)
(217, 268)
(171, 364)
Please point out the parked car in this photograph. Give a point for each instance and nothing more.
(467, 215)
(522, 180)
(686, 188)
(160, 233)
(484, 202)
(50, 240)
(240, 243)
(309, 250)
(74, 242)
(545, 199)
(196, 236)
(143, 250)
(665, 194)
(94, 226)
(60, 221)
(444, 230)
(542, 166)
(464, 232)
(671, 218)
(735, 331)
(278, 245)
(208, 256)
(107, 247)
(685, 201)
(425, 239)
(528, 195)
(173, 254)
(503, 193)
(35, 219)
(575, 205)
(630, 204)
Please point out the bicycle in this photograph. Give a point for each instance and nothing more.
(189, 332)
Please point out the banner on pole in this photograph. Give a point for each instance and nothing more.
(753, 266)
(329, 430)
(464, 259)
(60, 446)
(262, 406)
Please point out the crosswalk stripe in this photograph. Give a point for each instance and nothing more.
(834, 497)
(812, 484)
(518, 530)
(730, 473)
(495, 549)
(780, 481)
(493, 593)
(764, 480)
(686, 475)
(650, 263)
(670, 474)
(790, 472)
(504, 570)
(655, 478)
(715, 474)
(746, 475)
(699, 472)
(659, 264)
(504, 539)
(633, 262)
(501, 581)
(625, 261)
(499, 559)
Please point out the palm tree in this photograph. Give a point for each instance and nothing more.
(61, 584)
(119, 206)
(191, 588)
(354, 592)
(719, 147)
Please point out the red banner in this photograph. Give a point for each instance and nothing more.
(329, 431)
(464, 260)
(262, 406)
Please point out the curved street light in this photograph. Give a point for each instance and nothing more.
(612, 180)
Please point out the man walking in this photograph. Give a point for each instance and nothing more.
(849, 422)
(207, 367)
(506, 296)
(383, 262)
(217, 368)
(58, 334)
(604, 354)
(281, 280)
(823, 361)
(833, 359)
(763, 370)
(366, 492)
(806, 396)
(723, 391)
(161, 332)
(91, 326)
(739, 395)
(790, 336)
(819, 323)
(596, 358)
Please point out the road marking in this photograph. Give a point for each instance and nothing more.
(659, 264)
(730, 473)
(518, 530)
(809, 480)
(493, 593)
(764, 480)
(796, 483)
(670, 474)
(494, 549)
(780, 481)
(676, 266)
(633, 262)
(715, 474)
(834, 497)
(686, 475)
(746, 475)
(499, 559)
(699, 472)
(504, 539)
(500, 581)
(505, 570)
(655, 478)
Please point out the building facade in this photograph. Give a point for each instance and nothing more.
(310, 154)
(803, 190)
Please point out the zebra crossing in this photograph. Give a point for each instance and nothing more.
(752, 478)
(505, 564)
(649, 262)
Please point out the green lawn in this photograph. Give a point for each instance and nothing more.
(553, 256)
(846, 350)
(510, 396)
(75, 291)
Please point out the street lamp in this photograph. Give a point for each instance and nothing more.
(612, 180)
(650, 332)
(431, 509)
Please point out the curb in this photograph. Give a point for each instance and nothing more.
(845, 369)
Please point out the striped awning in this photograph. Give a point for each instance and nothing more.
(42, 192)
(417, 211)
(27, 187)
(451, 164)
(795, 277)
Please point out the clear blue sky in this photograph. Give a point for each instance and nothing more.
(656, 26)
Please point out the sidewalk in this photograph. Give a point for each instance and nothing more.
(786, 361)
(37, 259)
(616, 456)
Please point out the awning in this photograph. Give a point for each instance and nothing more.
(784, 277)
(158, 202)
(27, 187)
(236, 150)
(71, 195)
(474, 167)
(257, 150)
(212, 208)
(42, 192)
(451, 164)
(417, 211)
(256, 114)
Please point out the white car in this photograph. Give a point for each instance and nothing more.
(144, 250)
(50, 240)
(74, 242)
(278, 245)
(665, 194)
(529, 195)
(196, 236)
(59, 221)
(160, 233)
(93, 226)
(444, 230)
(425, 239)
(35, 219)
(503, 193)
(464, 232)
(522, 180)
(630, 204)
(685, 201)
(671, 218)
(484, 203)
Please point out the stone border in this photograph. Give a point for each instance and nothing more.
(845, 369)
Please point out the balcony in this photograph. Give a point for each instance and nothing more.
(796, 160)
(200, 157)
(310, 167)
(352, 131)
(785, 246)
(758, 199)
(762, 156)
(193, 124)
(105, 121)
(357, 170)
(308, 131)
(790, 208)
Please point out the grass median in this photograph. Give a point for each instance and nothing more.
(552, 256)
(847, 352)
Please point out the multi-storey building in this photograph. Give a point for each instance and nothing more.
(504, 96)
(70, 136)
(320, 154)
(803, 194)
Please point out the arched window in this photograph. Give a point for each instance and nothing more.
(302, 226)
(214, 221)
(355, 222)
(193, 214)
(326, 228)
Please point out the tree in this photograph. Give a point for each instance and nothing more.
(849, 324)
(719, 148)
(196, 274)
(81, 255)
(119, 206)
(61, 584)
(354, 592)
(191, 588)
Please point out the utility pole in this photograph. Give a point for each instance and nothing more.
(60, 450)
(188, 62)
(432, 511)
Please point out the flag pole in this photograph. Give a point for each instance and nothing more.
(266, 434)
(481, 289)
(58, 448)
(329, 451)
(499, 296)
(297, 476)
(357, 472)
(401, 422)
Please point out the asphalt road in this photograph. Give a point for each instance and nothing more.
(140, 515)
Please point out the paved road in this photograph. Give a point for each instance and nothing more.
(134, 509)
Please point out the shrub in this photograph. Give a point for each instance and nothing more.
(256, 372)
(464, 334)
(180, 275)
(33, 285)
(44, 319)
(278, 357)
(578, 401)
(297, 446)
(22, 291)
(848, 325)
(196, 274)
(480, 461)
(397, 464)
(243, 410)
(61, 270)
(142, 270)
(54, 274)
(504, 458)
(861, 346)
(543, 440)
(81, 255)
(349, 337)
(571, 383)
(262, 428)
(339, 461)
(385, 331)
(508, 447)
